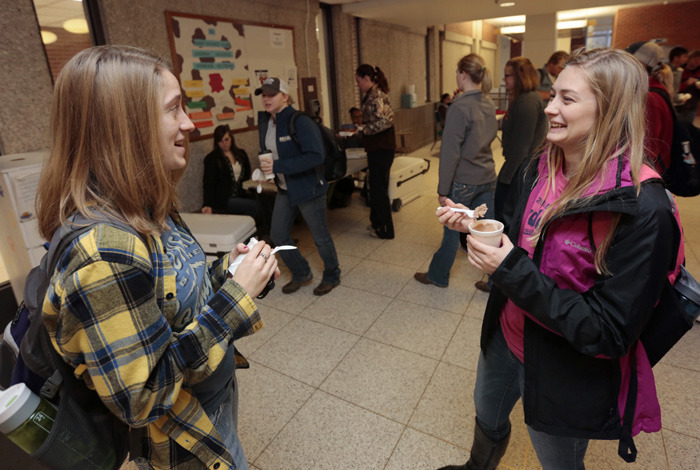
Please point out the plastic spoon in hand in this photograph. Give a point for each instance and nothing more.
(469, 212)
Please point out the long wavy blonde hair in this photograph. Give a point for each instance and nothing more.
(105, 154)
(620, 85)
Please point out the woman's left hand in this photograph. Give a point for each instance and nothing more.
(486, 257)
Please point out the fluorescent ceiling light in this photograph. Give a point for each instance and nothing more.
(47, 37)
(76, 26)
(519, 29)
(507, 4)
(513, 29)
(572, 24)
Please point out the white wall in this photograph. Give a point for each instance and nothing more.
(540, 38)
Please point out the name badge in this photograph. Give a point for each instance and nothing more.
(285, 138)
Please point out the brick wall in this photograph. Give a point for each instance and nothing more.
(677, 22)
(65, 47)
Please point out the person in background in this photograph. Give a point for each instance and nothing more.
(524, 127)
(658, 115)
(549, 73)
(144, 319)
(356, 116)
(467, 170)
(445, 102)
(354, 140)
(690, 84)
(300, 182)
(562, 324)
(226, 167)
(677, 58)
(380, 143)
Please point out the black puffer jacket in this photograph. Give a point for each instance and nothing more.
(568, 390)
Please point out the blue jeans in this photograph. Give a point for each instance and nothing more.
(500, 382)
(314, 214)
(225, 420)
(443, 259)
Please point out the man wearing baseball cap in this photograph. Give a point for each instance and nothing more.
(301, 187)
(272, 86)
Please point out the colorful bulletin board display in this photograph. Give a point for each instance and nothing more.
(220, 62)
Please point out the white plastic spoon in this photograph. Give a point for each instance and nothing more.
(469, 212)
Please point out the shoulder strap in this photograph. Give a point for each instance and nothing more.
(293, 126)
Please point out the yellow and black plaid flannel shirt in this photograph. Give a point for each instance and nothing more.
(109, 310)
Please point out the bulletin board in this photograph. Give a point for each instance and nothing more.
(220, 62)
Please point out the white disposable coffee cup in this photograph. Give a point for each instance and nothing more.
(265, 157)
(490, 237)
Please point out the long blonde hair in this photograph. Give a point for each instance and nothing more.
(106, 154)
(619, 83)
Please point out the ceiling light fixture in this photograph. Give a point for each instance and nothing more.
(571, 24)
(76, 26)
(47, 37)
(507, 4)
(518, 29)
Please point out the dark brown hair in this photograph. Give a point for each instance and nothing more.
(375, 74)
(525, 74)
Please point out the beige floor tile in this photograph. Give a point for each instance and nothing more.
(477, 306)
(454, 298)
(261, 412)
(677, 389)
(418, 451)
(381, 378)
(686, 353)
(406, 254)
(419, 329)
(446, 409)
(274, 320)
(305, 350)
(379, 278)
(329, 433)
(463, 350)
(683, 451)
(360, 245)
(650, 454)
(290, 303)
(345, 261)
(347, 309)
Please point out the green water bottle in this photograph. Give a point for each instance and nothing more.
(25, 417)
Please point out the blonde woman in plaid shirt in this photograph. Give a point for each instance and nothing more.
(146, 322)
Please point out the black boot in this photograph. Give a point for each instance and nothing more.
(485, 453)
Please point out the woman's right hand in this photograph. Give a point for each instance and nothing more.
(256, 269)
(457, 221)
(206, 210)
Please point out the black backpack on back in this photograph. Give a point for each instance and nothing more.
(682, 177)
(335, 161)
(85, 434)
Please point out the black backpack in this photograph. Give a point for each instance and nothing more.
(85, 434)
(682, 177)
(335, 161)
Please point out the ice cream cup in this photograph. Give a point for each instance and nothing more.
(487, 231)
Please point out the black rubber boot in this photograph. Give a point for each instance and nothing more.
(485, 453)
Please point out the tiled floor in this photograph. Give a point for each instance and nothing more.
(379, 373)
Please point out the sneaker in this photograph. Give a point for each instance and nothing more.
(483, 286)
(423, 279)
(325, 287)
(293, 286)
